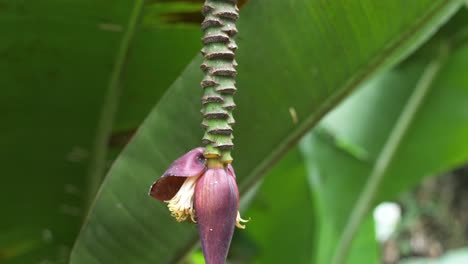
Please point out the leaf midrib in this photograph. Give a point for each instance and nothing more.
(110, 106)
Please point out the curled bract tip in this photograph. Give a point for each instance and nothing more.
(191, 164)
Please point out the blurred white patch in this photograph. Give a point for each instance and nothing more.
(47, 235)
(293, 113)
(386, 216)
(77, 154)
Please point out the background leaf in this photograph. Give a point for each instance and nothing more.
(126, 225)
(55, 60)
(265, 241)
(354, 133)
(282, 222)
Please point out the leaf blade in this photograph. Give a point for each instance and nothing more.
(427, 149)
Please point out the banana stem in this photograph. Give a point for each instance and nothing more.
(218, 83)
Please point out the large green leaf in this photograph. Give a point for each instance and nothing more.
(342, 152)
(56, 58)
(304, 63)
(282, 226)
(264, 243)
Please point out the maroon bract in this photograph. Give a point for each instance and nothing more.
(216, 203)
(205, 195)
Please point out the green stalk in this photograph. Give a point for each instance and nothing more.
(219, 82)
